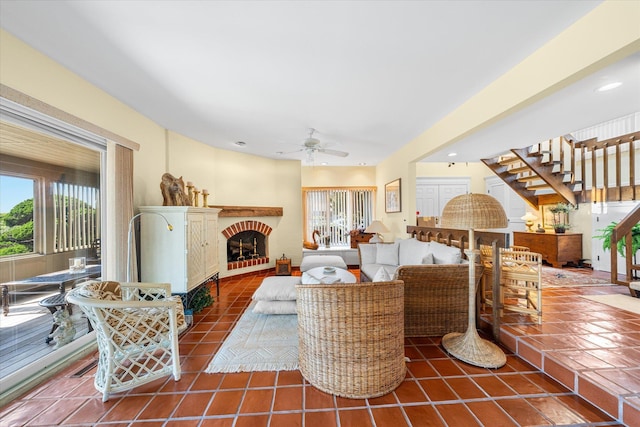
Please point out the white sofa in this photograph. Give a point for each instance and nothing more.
(379, 261)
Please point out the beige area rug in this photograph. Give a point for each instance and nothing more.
(624, 302)
(559, 278)
(259, 342)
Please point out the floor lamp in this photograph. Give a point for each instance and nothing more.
(472, 211)
(129, 234)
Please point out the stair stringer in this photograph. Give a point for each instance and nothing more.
(511, 180)
(545, 172)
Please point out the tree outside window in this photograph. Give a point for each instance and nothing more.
(16, 215)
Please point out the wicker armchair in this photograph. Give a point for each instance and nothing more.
(351, 340)
(436, 298)
(521, 282)
(136, 328)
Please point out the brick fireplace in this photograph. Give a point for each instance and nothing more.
(247, 244)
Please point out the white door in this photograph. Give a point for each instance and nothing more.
(427, 200)
(514, 206)
(432, 194)
(602, 215)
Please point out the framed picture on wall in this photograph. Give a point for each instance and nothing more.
(392, 202)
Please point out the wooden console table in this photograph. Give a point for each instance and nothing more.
(556, 249)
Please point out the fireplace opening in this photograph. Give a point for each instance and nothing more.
(246, 245)
(254, 249)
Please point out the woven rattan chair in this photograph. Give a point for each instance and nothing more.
(136, 328)
(486, 282)
(351, 340)
(520, 282)
(436, 298)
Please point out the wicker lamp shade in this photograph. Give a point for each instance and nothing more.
(473, 211)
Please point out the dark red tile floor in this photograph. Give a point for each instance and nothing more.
(602, 345)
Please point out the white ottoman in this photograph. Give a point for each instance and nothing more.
(312, 261)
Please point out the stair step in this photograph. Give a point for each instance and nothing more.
(528, 178)
(543, 186)
(506, 161)
(519, 169)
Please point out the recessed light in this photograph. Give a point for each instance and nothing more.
(240, 143)
(609, 86)
(324, 163)
(280, 153)
(362, 164)
(452, 154)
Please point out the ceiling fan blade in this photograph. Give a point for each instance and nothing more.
(333, 152)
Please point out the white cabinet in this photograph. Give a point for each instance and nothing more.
(185, 256)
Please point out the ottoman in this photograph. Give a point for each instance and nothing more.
(276, 295)
(312, 261)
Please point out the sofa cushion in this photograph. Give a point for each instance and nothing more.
(428, 259)
(277, 288)
(387, 253)
(367, 253)
(313, 261)
(275, 307)
(370, 270)
(381, 276)
(412, 251)
(443, 254)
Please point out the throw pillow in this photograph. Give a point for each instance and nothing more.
(412, 251)
(443, 254)
(381, 276)
(275, 307)
(428, 259)
(281, 288)
(387, 253)
(367, 253)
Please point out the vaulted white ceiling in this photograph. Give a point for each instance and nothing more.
(370, 76)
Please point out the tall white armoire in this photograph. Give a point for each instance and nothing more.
(187, 256)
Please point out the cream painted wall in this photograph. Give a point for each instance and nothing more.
(232, 178)
(331, 176)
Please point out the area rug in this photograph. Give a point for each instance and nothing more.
(559, 278)
(624, 302)
(259, 342)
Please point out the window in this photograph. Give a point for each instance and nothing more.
(16, 215)
(76, 220)
(334, 212)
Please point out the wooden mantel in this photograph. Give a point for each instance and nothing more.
(245, 211)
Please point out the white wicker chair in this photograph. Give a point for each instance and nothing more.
(137, 327)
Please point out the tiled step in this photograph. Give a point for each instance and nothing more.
(592, 351)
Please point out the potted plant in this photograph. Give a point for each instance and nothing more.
(606, 239)
(560, 212)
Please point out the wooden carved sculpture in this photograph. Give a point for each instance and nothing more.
(173, 193)
(314, 245)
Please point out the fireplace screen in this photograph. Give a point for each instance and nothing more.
(246, 245)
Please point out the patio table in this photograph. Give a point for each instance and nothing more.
(58, 278)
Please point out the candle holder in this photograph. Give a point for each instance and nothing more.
(196, 194)
(205, 194)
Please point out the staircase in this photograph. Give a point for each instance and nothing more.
(570, 171)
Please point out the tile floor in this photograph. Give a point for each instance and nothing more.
(438, 390)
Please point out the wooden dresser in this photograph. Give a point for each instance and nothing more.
(556, 249)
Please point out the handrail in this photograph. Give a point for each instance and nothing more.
(623, 230)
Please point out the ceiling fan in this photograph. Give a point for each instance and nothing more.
(313, 145)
